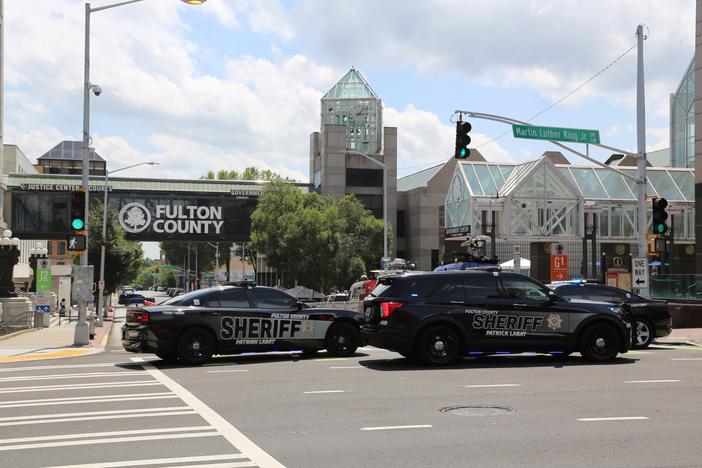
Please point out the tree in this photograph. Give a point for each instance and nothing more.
(123, 258)
(177, 254)
(249, 173)
(313, 240)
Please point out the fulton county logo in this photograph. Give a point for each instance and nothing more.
(134, 217)
(554, 321)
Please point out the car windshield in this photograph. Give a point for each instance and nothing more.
(188, 299)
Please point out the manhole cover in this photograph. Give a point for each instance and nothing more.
(478, 410)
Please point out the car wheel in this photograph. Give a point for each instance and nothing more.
(169, 357)
(196, 346)
(644, 333)
(410, 356)
(342, 340)
(438, 345)
(600, 343)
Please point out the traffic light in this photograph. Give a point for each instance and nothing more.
(660, 216)
(78, 210)
(462, 140)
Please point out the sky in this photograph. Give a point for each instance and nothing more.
(237, 83)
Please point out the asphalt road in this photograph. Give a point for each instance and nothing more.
(374, 409)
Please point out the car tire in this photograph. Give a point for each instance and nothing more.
(438, 345)
(168, 357)
(342, 340)
(644, 333)
(600, 343)
(410, 356)
(196, 346)
(309, 353)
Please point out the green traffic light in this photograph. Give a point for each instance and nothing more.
(660, 228)
(463, 152)
(77, 224)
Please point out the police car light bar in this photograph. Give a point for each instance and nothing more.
(246, 283)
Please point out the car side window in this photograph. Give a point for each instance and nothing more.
(480, 287)
(234, 298)
(606, 294)
(451, 291)
(573, 292)
(272, 299)
(522, 288)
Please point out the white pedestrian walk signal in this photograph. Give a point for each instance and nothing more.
(76, 243)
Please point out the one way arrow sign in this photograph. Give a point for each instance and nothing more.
(639, 272)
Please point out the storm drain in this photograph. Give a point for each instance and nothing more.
(478, 410)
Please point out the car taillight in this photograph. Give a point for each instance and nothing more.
(141, 317)
(387, 308)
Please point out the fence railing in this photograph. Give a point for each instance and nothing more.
(21, 322)
(676, 286)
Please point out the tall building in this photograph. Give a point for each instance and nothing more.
(67, 158)
(348, 154)
(682, 120)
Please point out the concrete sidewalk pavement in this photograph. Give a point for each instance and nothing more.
(53, 342)
(683, 336)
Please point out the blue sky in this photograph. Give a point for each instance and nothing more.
(235, 83)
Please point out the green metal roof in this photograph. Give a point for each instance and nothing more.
(25, 181)
(418, 179)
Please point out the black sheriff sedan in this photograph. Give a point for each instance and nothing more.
(439, 317)
(235, 319)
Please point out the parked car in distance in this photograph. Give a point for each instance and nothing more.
(133, 298)
(337, 297)
(650, 317)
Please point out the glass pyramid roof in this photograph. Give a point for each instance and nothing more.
(351, 86)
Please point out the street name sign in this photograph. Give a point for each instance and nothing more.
(571, 135)
(639, 272)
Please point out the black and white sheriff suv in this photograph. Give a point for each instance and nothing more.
(235, 319)
(439, 317)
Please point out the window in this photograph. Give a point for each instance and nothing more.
(480, 287)
(414, 287)
(598, 293)
(572, 292)
(401, 223)
(232, 298)
(451, 291)
(364, 177)
(60, 248)
(522, 288)
(272, 299)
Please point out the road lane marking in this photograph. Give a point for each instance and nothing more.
(325, 391)
(82, 400)
(229, 432)
(62, 366)
(82, 375)
(88, 435)
(347, 367)
(332, 359)
(94, 413)
(622, 418)
(494, 385)
(651, 381)
(108, 441)
(217, 465)
(687, 359)
(226, 371)
(390, 428)
(155, 461)
(45, 388)
(100, 418)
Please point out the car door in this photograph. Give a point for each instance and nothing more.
(231, 314)
(481, 300)
(281, 322)
(534, 318)
(606, 294)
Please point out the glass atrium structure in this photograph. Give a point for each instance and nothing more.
(542, 201)
(352, 102)
(682, 120)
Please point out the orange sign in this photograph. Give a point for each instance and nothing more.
(559, 267)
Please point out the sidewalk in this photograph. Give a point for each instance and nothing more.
(53, 342)
(683, 336)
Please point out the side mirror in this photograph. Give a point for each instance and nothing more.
(300, 305)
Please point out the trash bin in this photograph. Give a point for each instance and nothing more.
(92, 319)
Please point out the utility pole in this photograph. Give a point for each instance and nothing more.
(641, 146)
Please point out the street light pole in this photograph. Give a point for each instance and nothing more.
(641, 147)
(101, 283)
(82, 333)
(385, 196)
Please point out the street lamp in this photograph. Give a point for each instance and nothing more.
(101, 283)
(82, 334)
(385, 196)
(35, 253)
(216, 272)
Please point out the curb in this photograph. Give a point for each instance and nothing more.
(17, 333)
(677, 343)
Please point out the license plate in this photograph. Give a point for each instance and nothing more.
(133, 334)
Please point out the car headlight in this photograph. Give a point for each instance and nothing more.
(616, 310)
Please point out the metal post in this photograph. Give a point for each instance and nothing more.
(101, 284)
(594, 246)
(603, 262)
(385, 210)
(187, 288)
(583, 263)
(217, 264)
(197, 279)
(82, 333)
(243, 253)
(641, 146)
(493, 236)
(671, 249)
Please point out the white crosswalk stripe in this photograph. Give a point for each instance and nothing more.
(130, 400)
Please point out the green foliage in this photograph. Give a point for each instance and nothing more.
(123, 258)
(309, 238)
(177, 254)
(250, 173)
